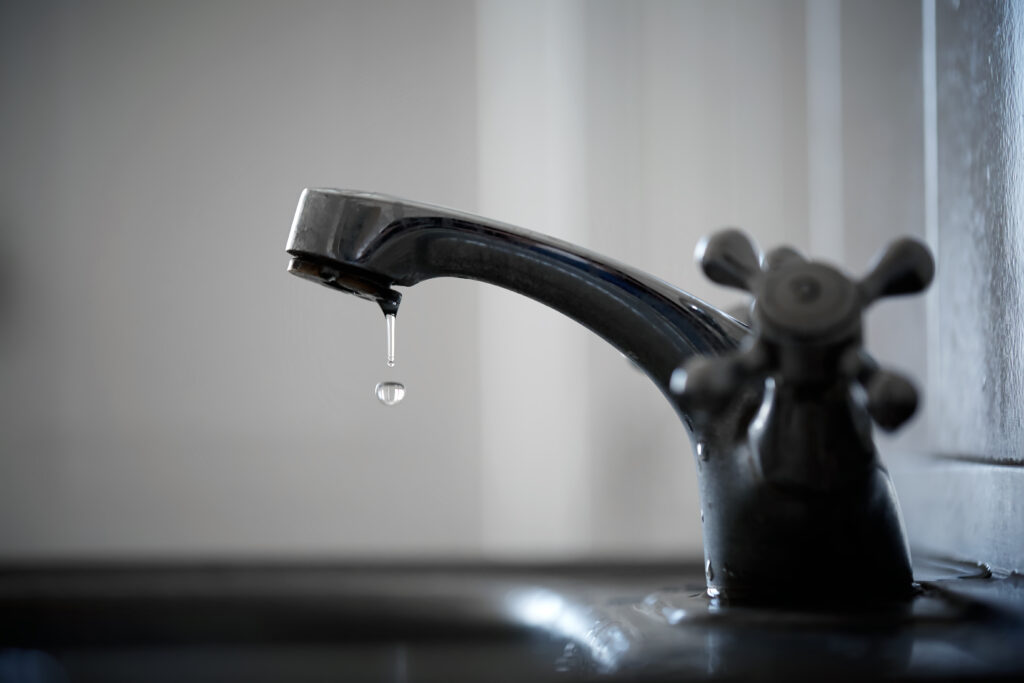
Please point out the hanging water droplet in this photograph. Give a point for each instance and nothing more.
(389, 323)
(389, 393)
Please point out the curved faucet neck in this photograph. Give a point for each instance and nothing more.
(365, 243)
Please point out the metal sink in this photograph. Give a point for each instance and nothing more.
(482, 622)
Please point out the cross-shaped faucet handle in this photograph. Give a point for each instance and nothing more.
(807, 320)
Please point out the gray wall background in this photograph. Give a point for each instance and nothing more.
(167, 389)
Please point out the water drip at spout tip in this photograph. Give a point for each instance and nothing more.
(389, 323)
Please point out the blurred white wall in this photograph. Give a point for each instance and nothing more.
(168, 389)
(634, 129)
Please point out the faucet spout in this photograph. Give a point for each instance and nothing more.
(365, 243)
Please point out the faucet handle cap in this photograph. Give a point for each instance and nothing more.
(807, 325)
(730, 258)
(780, 257)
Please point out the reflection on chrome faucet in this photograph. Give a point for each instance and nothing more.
(795, 501)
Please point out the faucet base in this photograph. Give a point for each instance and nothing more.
(781, 546)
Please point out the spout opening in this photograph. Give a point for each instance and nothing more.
(345, 278)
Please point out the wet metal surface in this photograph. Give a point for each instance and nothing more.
(485, 622)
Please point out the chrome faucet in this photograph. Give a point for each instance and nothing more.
(795, 501)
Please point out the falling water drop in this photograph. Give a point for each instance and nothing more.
(389, 322)
(390, 393)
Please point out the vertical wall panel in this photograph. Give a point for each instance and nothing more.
(966, 501)
(980, 95)
(536, 451)
(696, 120)
(883, 171)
